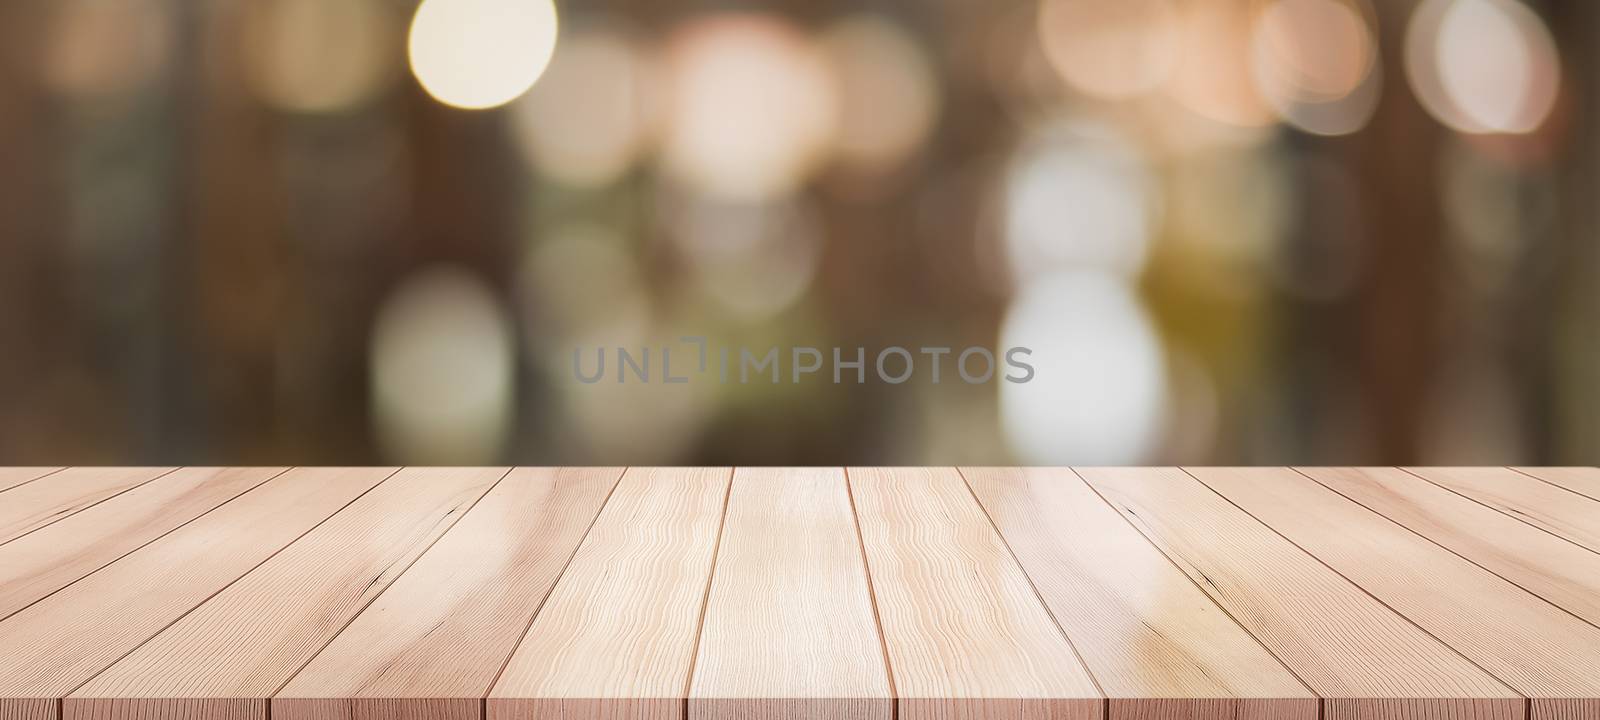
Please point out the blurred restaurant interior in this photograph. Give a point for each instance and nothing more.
(374, 231)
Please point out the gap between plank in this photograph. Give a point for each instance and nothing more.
(872, 596)
(1513, 516)
(483, 703)
(1519, 472)
(705, 599)
(1475, 563)
(41, 477)
(1321, 701)
(147, 542)
(219, 590)
(1105, 700)
(1358, 586)
(134, 486)
(385, 589)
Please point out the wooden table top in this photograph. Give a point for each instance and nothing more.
(981, 593)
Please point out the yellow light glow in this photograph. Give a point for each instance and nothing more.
(478, 54)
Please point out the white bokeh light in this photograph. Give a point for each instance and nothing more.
(478, 54)
(442, 371)
(1099, 395)
(1483, 66)
(1078, 197)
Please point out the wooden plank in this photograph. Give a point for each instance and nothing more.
(789, 631)
(237, 649)
(11, 477)
(1584, 481)
(431, 645)
(1534, 647)
(1558, 571)
(54, 556)
(33, 505)
(1159, 647)
(60, 642)
(1366, 661)
(616, 637)
(1556, 510)
(965, 632)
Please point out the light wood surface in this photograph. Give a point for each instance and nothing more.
(965, 631)
(1554, 509)
(787, 593)
(1536, 648)
(52, 557)
(59, 643)
(11, 477)
(33, 505)
(433, 643)
(1551, 568)
(1365, 660)
(789, 631)
(616, 638)
(249, 640)
(1158, 646)
(1582, 480)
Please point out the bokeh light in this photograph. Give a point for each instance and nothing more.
(315, 56)
(442, 371)
(477, 54)
(1482, 66)
(753, 260)
(1078, 196)
(752, 106)
(590, 116)
(1111, 49)
(888, 96)
(582, 283)
(1214, 77)
(1316, 63)
(103, 49)
(1100, 393)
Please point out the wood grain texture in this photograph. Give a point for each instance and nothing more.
(433, 643)
(616, 638)
(11, 477)
(1534, 647)
(1565, 574)
(60, 642)
(238, 648)
(1582, 480)
(965, 632)
(1554, 509)
(33, 505)
(54, 556)
(1366, 661)
(1159, 647)
(789, 631)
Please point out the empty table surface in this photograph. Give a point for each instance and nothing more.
(776, 593)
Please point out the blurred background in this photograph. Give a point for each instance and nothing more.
(1233, 231)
